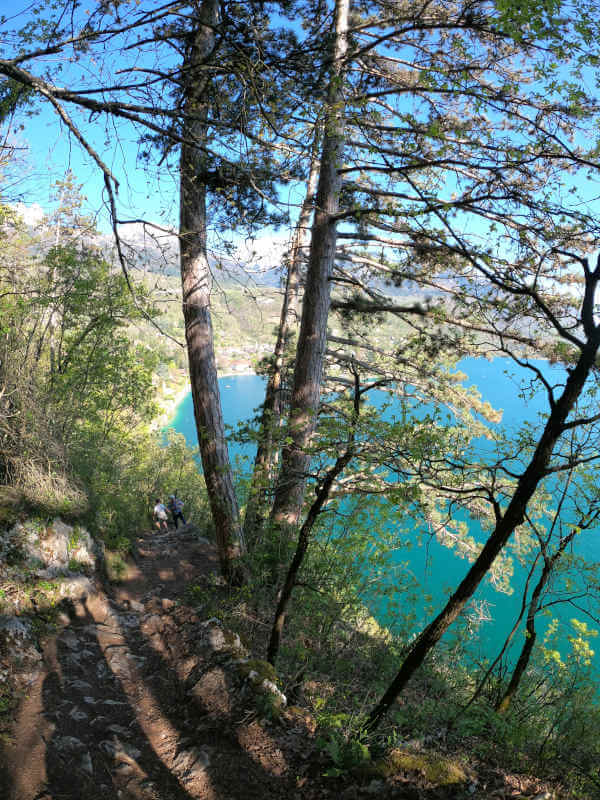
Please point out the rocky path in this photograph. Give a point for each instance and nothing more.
(135, 699)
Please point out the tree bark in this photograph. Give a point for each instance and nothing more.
(273, 406)
(513, 517)
(196, 283)
(310, 353)
(305, 531)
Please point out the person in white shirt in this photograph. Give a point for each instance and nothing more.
(160, 516)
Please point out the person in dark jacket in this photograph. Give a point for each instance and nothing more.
(175, 506)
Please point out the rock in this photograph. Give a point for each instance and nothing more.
(212, 621)
(118, 749)
(167, 603)
(77, 715)
(19, 651)
(119, 729)
(262, 676)
(437, 769)
(108, 747)
(70, 640)
(268, 687)
(152, 624)
(80, 686)
(51, 547)
(85, 763)
(216, 639)
(73, 661)
(69, 744)
(13, 631)
(190, 761)
(135, 606)
(91, 701)
(212, 693)
(77, 588)
(125, 749)
(102, 670)
(119, 664)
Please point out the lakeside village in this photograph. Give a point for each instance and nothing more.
(173, 386)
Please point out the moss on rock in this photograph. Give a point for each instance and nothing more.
(437, 770)
(262, 670)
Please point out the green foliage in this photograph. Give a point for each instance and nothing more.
(116, 568)
(518, 17)
(81, 375)
(13, 95)
(343, 741)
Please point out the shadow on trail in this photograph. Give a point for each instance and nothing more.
(205, 718)
(98, 747)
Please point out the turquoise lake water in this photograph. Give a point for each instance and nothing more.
(436, 568)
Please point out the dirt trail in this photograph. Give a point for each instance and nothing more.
(132, 704)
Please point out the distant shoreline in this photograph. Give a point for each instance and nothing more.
(248, 371)
(170, 405)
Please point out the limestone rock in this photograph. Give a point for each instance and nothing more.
(212, 693)
(19, 650)
(190, 761)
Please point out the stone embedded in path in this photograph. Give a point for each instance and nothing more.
(119, 729)
(119, 663)
(85, 763)
(69, 744)
(77, 715)
(102, 670)
(80, 686)
(70, 639)
(116, 748)
(190, 761)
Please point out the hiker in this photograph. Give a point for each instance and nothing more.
(160, 516)
(175, 506)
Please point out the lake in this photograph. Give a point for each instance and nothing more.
(437, 569)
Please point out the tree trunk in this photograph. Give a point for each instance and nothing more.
(310, 353)
(303, 539)
(513, 517)
(196, 283)
(273, 406)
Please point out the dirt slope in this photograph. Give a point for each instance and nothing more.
(130, 705)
